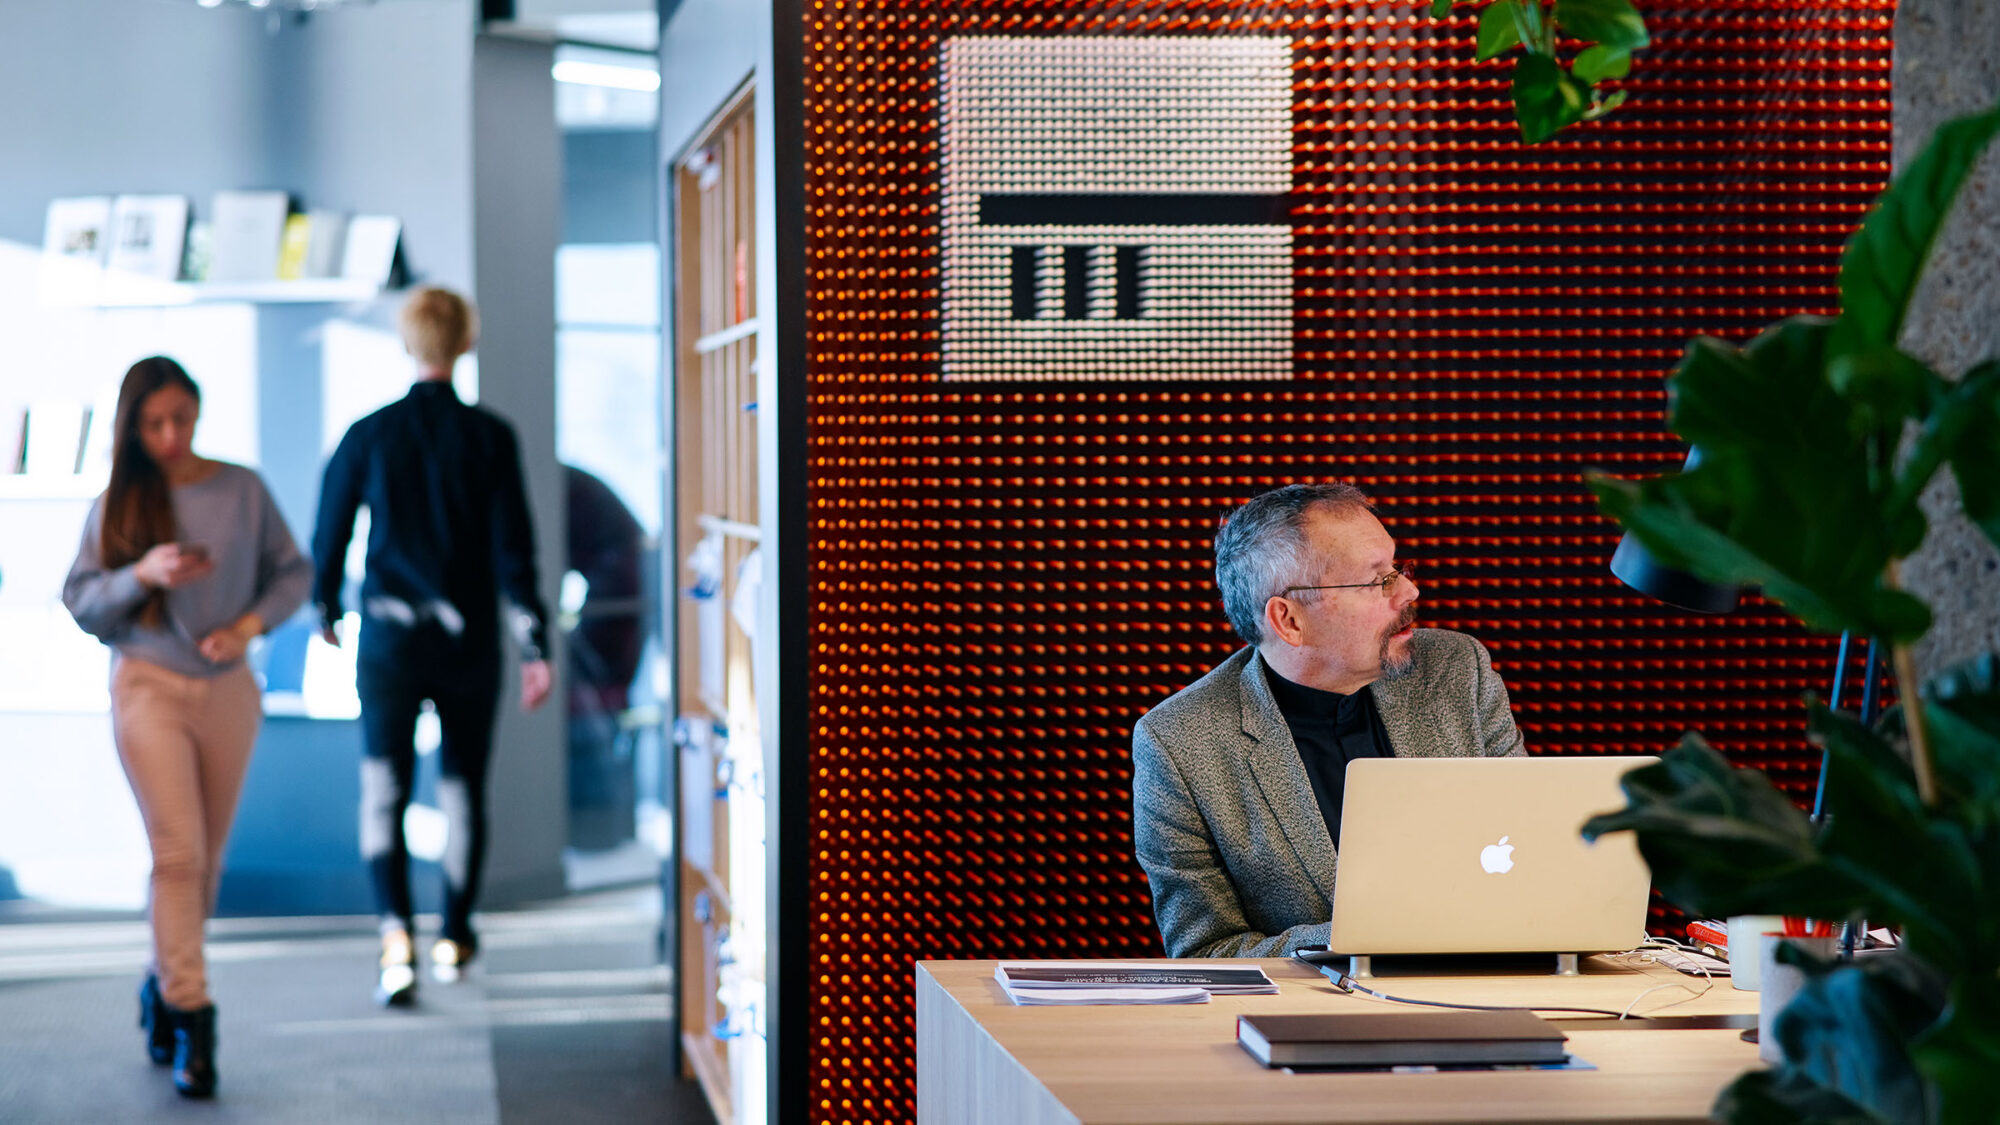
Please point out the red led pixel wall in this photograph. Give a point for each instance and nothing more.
(1008, 566)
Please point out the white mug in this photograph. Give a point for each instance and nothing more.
(1746, 941)
(1781, 983)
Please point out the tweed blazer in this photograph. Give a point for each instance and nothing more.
(1226, 824)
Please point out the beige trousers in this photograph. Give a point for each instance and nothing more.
(185, 743)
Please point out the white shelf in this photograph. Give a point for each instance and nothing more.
(26, 486)
(143, 293)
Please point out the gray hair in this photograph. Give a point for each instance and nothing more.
(1260, 548)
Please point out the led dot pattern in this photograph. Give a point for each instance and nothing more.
(1007, 568)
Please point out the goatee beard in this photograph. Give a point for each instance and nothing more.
(1394, 667)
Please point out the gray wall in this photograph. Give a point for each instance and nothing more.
(1947, 65)
(176, 101)
(517, 176)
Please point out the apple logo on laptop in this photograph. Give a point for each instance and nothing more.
(1497, 859)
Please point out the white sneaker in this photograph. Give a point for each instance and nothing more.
(448, 961)
(397, 986)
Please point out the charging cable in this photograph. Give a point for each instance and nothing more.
(1348, 984)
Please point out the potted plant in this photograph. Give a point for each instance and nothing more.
(1817, 438)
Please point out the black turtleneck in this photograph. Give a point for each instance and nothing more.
(1330, 731)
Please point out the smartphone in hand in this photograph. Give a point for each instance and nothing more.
(193, 553)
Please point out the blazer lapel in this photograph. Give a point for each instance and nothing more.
(1405, 718)
(1274, 762)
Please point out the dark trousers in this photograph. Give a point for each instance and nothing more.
(397, 673)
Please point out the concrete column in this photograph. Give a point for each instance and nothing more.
(1947, 63)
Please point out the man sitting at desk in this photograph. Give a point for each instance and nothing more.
(1237, 778)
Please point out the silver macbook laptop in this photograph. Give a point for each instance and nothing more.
(1483, 855)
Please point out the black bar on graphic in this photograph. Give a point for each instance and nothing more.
(1152, 209)
(1076, 282)
(1023, 279)
(1125, 270)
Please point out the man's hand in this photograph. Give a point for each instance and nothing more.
(228, 644)
(536, 680)
(169, 566)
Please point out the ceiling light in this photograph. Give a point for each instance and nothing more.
(605, 74)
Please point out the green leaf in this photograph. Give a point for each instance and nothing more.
(1961, 1055)
(1722, 841)
(1886, 257)
(1441, 8)
(1498, 33)
(1785, 1097)
(1787, 495)
(1613, 23)
(1546, 98)
(1849, 1028)
(1962, 704)
(1600, 108)
(1920, 873)
(1887, 385)
(1975, 459)
(1596, 64)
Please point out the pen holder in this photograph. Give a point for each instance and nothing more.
(1782, 982)
(1746, 947)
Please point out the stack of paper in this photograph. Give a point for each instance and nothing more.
(1125, 982)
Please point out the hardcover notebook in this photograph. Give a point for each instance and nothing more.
(1400, 1039)
(1115, 982)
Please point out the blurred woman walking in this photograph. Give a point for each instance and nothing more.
(184, 562)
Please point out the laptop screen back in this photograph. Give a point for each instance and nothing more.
(1484, 855)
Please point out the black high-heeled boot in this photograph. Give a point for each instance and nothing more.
(153, 1017)
(194, 1051)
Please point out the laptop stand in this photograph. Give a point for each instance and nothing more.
(1361, 966)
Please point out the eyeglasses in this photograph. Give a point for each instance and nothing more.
(1406, 569)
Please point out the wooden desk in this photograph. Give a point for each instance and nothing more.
(982, 1059)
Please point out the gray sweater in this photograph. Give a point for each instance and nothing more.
(258, 569)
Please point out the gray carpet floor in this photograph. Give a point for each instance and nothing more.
(565, 1018)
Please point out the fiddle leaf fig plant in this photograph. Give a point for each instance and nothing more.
(1817, 438)
(1550, 96)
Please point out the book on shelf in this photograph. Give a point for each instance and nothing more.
(1365, 1039)
(52, 442)
(1124, 982)
(13, 436)
(199, 252)
(369, 253)
(328, 242)
(293, 246)
(148, 236)
(246, 230)
(75, 234)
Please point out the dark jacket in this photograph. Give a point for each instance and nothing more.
(448, 531)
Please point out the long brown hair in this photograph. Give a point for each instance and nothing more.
(138, 509)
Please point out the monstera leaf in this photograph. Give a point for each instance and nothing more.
(1781, 448)
(1847, 1033)
(1883, 262)
(1723, 841)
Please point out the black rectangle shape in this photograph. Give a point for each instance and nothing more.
(1151, 209)
(1076, 282)
(1125, 274)
(1022, 279)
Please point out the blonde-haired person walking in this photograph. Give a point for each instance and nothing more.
(184, 561)
(448, 535)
